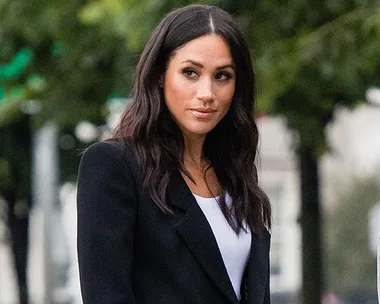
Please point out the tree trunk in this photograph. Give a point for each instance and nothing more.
(18, 223)
(312, 268)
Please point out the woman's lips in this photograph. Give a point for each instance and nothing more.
(202, 113)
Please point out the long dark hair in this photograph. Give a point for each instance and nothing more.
(231, 146)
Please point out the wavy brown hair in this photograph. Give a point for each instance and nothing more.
(231, 147)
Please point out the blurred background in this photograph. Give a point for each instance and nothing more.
(65, 76)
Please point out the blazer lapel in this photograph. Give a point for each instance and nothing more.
(196, 232)
(258, 267)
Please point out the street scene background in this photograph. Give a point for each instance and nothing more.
(65, 76)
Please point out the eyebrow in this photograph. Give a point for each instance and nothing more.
(200, 65)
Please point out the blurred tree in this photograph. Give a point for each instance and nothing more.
(48, 55)
(15, 183)
(351, 266)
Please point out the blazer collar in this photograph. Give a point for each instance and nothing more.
(196, 232)
(178, 192)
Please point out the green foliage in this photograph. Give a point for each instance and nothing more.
(308, 61)
(350, 266)
(15, 156)
(5, 173)
(75, 67)
(313, 61)
(17, 65)
(9, 113)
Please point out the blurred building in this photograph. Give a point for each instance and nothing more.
(354, 138)
(354, 150)
(280, 178)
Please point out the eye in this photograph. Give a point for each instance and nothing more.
(189, 73)
(223, 76)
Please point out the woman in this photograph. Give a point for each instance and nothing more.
(169, 210)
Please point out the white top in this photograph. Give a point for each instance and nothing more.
(233, 248)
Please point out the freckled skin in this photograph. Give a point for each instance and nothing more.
(199, 84)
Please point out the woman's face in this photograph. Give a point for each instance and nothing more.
(199, 84)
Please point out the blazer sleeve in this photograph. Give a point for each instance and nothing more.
(267, 292)
(106, 204)
(267, 283)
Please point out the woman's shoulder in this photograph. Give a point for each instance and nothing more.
(109, 151)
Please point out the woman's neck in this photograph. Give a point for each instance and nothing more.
(193, 154)
(202, 180)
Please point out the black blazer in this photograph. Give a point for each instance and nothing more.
(130, 252)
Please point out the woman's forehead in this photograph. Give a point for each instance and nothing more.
(204, 50)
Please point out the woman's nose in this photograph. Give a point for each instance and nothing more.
(205, 90)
